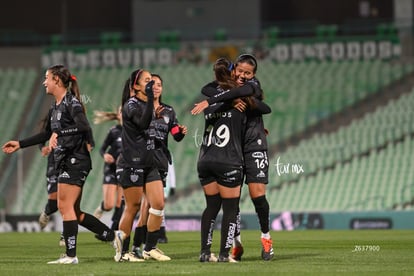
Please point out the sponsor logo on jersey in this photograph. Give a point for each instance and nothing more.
(257, 154)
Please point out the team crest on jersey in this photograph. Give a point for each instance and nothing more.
(259, 141)
(134, 177)
(59, 115)
(166, 119)
(72, 160)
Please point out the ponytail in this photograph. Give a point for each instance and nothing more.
(126, 92)
(104, 116)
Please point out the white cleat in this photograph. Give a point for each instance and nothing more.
(131, 257)
(155, 254)
(118, 242)
(64, 259)
(43, 220)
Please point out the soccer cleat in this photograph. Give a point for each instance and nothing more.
(131, 257)
(237, 253)
(62, 241)
(64, 259)
(267, 249)
(98, 212)
(229, 259)
(117, 243)
(43, 220)
(205, 258)
(155, 254)
(137, 252)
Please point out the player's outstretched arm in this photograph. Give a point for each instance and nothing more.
(11, 146)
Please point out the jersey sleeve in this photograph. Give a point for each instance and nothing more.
(36, 139)
(174, 127)
(210, 89)
(108, 140)
(234, 93)
(79, 117)
(261, 107)
(141, 119)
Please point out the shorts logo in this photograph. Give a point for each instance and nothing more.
(257, 154)
(107, 178)
(64, 175)
(233, 172)
(261, 174)
(134, 177)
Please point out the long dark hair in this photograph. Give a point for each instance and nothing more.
(69, 81)
(222, 70)
(126, 92)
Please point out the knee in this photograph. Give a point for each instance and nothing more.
(156, 212)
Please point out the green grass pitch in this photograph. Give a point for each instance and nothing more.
(328, 252)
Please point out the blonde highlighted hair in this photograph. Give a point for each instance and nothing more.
(105, 116)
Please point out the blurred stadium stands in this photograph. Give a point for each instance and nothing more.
(363, 164)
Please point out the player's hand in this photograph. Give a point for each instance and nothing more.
(45, 151)
(108, 158)
(240, 105)
(183, 129)
(148, 88)
(53, 141)
(158, 111)
(199, 107)
(10, 147)
(89, 147)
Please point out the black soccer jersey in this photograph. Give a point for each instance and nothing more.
(68, 120)
(223, 136)
(255, 139)
(160, 126)
(113, 141)
(137, 144)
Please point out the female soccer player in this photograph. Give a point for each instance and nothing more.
(164, 121)
(220, 167)
(68, 132)
(255, 147)
(136, 169)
